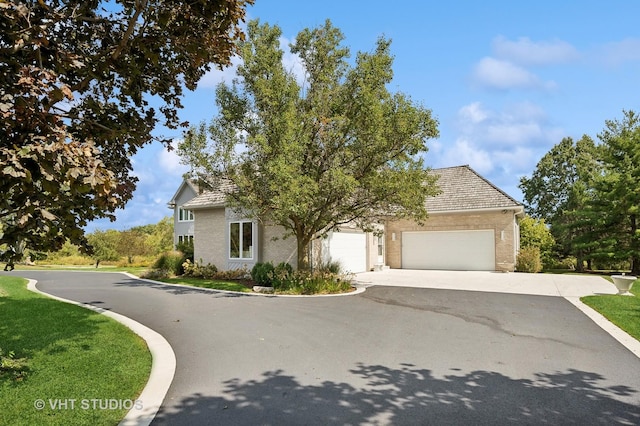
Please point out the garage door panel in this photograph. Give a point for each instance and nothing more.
(449, 250)
(350, 249)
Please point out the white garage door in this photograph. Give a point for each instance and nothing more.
(449, 250)
(350, 249)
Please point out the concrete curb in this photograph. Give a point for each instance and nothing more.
(162, 369)
(617, 333)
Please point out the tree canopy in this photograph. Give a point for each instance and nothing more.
(588, 194)
(314, 152)
(82, 86)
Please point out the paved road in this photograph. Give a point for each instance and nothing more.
(391, 355)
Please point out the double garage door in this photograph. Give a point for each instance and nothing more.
(449, 250)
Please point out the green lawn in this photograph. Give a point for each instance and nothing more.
(61, 353)
(623, 311)
(136, 270)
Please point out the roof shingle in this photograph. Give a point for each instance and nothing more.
(464, 189)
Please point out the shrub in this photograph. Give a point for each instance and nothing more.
(171, 262)
(313, 282)
(262, 273)
(186, 247)
(529, 260)
(198, 270)
(232, 274)
(281, 275)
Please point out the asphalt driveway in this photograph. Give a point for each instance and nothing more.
(391, 355)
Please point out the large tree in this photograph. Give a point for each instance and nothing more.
(313, 152)
(619, 190)
(82, 86)
(559, 189)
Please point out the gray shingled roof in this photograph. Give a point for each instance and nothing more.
(464, 189)
(211, 198)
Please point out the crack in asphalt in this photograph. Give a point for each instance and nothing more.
(474, 319)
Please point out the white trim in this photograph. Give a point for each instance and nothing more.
(241, 222)
(516, 209)
(187, 213)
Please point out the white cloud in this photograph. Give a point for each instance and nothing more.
(169, 161)
(498, 143)
(523, 51)
(216, 76)
(473, 113)
(465, 151)
(618, 53)
(292, 62)
(499, 74)
(518, 124)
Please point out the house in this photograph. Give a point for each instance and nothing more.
(472, 225)
(183, 220)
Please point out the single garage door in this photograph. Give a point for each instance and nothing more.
(449, 250)
(350, 249)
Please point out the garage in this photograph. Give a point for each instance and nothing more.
(449, 250)
(350, 249)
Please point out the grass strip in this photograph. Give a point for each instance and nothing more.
(75, 366)
(204, 283)
(623, 311)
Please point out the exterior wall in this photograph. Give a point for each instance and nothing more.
(504, 225)
(277, 250)
(182, 228)
(210, 245)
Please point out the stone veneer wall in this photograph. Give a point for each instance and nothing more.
(503, 224)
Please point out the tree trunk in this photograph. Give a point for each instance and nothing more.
(579, 263)
(635, 247)
(304, 262)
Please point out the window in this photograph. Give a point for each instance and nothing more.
(185, 239)
(185, 215)
(241, 240)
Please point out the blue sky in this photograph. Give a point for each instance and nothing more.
(506, 80)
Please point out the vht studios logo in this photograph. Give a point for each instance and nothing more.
(87, 404)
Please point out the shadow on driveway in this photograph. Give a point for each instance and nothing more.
(409, 395)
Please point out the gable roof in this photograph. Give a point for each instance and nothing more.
(464, 189)
(185, 183)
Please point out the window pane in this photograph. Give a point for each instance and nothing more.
(247, 240)
(234, 241)
(180, 213)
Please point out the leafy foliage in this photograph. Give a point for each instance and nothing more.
(559, 189)
(104, 245)
(310, 156)
(262, 273)
(529, 260)
(82, 85)
(589, 195)
(535, 233)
